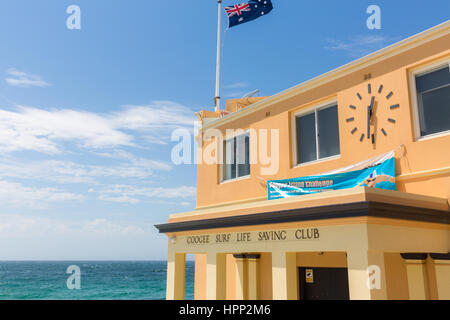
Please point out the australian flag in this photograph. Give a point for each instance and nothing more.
(245, 12)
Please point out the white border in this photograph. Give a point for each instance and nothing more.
(313, 109)
(415, 105)
(225, 139)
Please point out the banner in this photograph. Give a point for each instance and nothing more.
(377, 172)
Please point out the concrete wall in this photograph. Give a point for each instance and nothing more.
(394, 74)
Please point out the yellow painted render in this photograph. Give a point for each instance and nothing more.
(423, 180)
(396, 278)
(334, 238)
(357, 194)
(426, 38)
(231, 278)
(176, 276)
(241, 271)
(233, 105)
(408, 176)
(265, 278)
(335, 242)
(199, 278)
(442, 274)
(431, 279)
(265, 268)
(321, 223)
(254, 291)
(322, 259)
(411, 165)
(417, 280)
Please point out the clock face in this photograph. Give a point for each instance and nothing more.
(372, 113)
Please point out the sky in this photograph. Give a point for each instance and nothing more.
(86, 115)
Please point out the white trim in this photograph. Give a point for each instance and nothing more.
(236, 133)
(316, 128)
(338, 156)
(434, 135)
(415, 104)
(235, 179)
(313, 109)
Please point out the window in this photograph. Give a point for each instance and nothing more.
(317, 134)
(433, 101)
(236, 157)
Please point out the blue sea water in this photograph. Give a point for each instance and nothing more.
(105, 280)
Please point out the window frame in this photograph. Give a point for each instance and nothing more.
(304, 112)
(420, 71)
(221, 167)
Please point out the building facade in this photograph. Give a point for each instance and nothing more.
(358, 243)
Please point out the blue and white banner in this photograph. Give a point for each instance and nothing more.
(376, 173)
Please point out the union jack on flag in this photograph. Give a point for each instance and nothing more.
(237, 9)
(244, 12)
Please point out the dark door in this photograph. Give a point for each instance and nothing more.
(323, 283)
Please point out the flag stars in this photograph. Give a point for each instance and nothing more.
(249, 11)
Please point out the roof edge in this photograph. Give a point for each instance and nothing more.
(370, 59)
(337, 211)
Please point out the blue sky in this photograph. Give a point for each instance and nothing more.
(86, 115)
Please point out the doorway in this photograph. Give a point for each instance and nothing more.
(323, 283)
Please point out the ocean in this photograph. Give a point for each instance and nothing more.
(105, 280)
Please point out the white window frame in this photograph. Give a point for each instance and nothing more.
(313, 109)
(415, 104)
(225, 139)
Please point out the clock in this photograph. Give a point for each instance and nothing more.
(374, 111)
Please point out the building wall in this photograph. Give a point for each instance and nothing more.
(422, 167)
(396, 278)
(395, 272)
(199, 278)
(322, 259)
(265, 265)
(429, 155)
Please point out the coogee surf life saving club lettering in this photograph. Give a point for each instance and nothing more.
(251, 237)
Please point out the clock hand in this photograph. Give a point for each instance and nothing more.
(369, 115)
(371, 105)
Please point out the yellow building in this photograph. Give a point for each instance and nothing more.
(358, 243)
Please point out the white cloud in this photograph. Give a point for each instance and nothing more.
(106, 227)
(359, 45)
(156, 116)
(70, 172)
(235, 94)
(85, 134)
(15, 226)
(46, 131)
(119, 199)
(15, 194)
(236, 90)
(130, 194)
(236, 85)
(41, 130)
(23, 79)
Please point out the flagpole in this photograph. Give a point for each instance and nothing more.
(217, 94)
